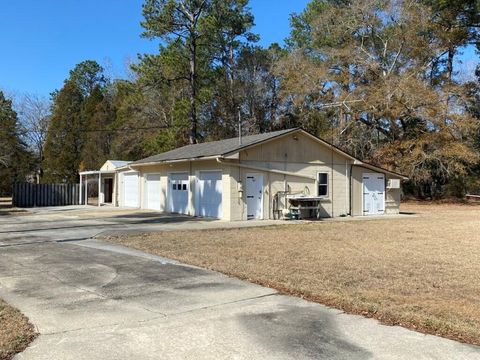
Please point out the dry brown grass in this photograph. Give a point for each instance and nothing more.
(6, 207)
(15, 331)
(421, 272)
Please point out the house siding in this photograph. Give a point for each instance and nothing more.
(299, 155)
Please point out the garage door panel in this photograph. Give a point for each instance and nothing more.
(177, 193)
(209, 194)
(130, 190)
(152, 191)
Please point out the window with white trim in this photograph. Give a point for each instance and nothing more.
(322, 184)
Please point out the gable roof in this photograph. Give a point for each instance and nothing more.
(213, 148)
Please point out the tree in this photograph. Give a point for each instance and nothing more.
(255, 95)
(73, 116)
(88, 75)
(203, 36)
(34, 114)
(179, 21)
(14, 157)
(95, 117)
(370, 64)
(227, 28)
(65, 138)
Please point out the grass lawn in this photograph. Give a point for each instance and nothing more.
(421, 272)
(15, 331)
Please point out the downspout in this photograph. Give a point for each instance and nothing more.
(351, 190)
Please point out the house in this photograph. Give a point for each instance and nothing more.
(266, 176)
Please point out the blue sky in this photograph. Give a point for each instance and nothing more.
(43, 40)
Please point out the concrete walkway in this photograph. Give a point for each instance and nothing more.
(94, 300)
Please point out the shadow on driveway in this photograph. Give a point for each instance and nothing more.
(301, 330)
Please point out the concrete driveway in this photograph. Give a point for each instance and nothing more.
(93, 300)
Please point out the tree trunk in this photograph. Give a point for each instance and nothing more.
(193, 90)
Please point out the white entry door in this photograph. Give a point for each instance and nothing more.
(254, 193)
(130, 190)
(152, 191)
(177, 193)
(373, 194)
(209, 194)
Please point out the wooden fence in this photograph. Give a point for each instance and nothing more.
(35, 195)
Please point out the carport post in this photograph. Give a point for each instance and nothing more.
(86, 189)
(80, 191)
(99, 187)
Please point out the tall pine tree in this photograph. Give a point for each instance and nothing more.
(14, 157)
(64, 139)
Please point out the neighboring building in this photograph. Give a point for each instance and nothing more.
(261, 176)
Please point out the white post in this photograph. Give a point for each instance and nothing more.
(99, 187)
(86, 190)
(80, 195)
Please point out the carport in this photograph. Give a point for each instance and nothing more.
(104, 184)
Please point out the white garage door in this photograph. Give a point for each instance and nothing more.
(373, 194)
(152, 191)
(177, 193)
(130, 190)
(209, 194)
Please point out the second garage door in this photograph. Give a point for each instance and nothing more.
(130, 190)
(209, 194)
(152, 191)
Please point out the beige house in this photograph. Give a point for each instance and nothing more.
(287, 173)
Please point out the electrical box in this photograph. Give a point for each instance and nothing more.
(393, 184)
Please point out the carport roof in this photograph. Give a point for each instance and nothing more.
(214, 148)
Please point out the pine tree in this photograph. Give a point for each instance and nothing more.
(65, 137)
(15, 162)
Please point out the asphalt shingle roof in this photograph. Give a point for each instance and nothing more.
(214, 148)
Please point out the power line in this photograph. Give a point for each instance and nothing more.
(134, 128)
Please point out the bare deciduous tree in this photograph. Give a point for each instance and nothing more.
(34, 114)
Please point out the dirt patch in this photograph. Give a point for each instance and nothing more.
(15, 331)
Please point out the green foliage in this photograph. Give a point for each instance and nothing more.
(88, 75)
(65, 137)
(15, 160)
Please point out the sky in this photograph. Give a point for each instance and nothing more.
(43, 40)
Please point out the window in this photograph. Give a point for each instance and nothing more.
(322, 181)
(174, 186)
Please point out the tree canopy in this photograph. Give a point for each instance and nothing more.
(378, 78)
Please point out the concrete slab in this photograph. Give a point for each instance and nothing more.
(92, 300)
